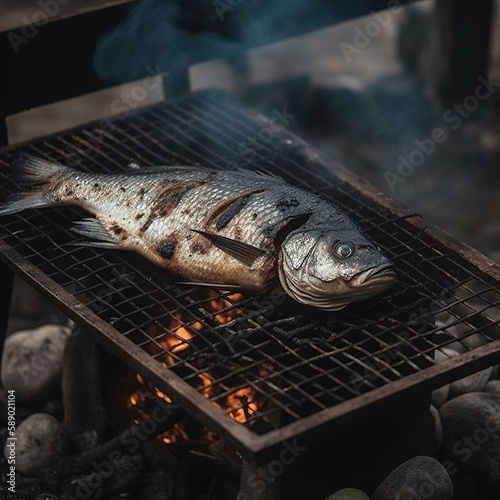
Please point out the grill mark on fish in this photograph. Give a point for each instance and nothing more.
(119, 231)
(201, 245)
(267, 272)
(226, 212)
(168, 200)
(167, 248)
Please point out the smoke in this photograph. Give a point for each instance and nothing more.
(172, 35)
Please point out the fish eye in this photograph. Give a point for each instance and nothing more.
(343, 249)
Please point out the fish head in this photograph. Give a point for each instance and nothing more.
(331, 269)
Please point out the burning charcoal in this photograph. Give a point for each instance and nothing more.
(348, 494)
(32, 361)
(419, 477)
(41, 440)
(473, 383)
(471, 434)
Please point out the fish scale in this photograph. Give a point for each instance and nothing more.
(220, 228)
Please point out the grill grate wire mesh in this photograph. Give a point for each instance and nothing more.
(296, 361)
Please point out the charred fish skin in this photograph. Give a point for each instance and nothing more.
(224, 228)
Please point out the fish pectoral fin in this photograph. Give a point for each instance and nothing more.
(96, 244)
(245, 253)
(92, 228)
(222, 286)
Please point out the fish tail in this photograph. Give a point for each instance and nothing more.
(33, 175)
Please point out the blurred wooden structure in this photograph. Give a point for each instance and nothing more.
(53, 60)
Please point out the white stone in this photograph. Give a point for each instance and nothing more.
(471, 435)
(348, 494)
(438, 428)
(440, 395)
(423, 475)
(41, 440)
(32, 362)
(472, 383)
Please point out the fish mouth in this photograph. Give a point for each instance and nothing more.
(341, 292)
(376, 277)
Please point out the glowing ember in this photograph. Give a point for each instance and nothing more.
(226, 305)
(162, 395)
(243, 403)
(206, 386)
(240, 405)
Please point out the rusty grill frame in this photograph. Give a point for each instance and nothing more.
(209, 126)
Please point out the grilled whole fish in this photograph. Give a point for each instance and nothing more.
(220, 228)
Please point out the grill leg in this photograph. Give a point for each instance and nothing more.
(7, 282)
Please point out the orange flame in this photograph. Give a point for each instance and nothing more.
(239, 405)
(242, 404)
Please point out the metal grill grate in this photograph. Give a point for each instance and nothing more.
(291, 362)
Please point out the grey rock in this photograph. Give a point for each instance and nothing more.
(444, 354)
(471, 435)
(472, 383)
(437, 426)
(440, 395)
(41, 440)
(32, 362)
(348, 494)
(419, 477)
(473, 341)
(493, 386)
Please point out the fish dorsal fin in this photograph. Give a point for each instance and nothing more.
(245, 253)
